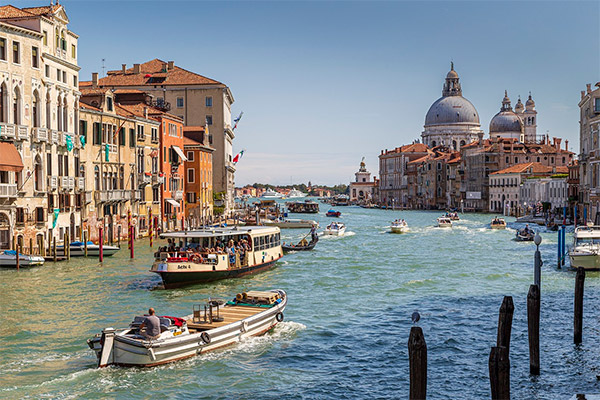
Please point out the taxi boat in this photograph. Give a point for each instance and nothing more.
(213, 325)
(498, 223)
(202, 255)
(444, 222)
(8, 259)
(585, 251)
(335, 229)
(399, 226)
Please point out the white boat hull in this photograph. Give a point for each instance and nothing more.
(335, 232)
(292, 224)
(587, 260)
(399, 229)
(93, 250)
(10, 261)
(441, 225)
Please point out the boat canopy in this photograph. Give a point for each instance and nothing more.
(219, 232)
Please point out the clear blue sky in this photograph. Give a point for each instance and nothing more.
(323, 84)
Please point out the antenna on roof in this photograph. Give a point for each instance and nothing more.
(103, 67)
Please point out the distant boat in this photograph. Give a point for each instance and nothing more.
(498, 223)
(333, 213)
(294, 193)
(8, 259)
(291, 223)
(525, 235)
(399, 227)
(335, 229)
(444, 222)
(271, 194)
(77, 249)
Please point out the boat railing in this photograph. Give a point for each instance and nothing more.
(188, 256)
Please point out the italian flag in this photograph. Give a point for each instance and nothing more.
(238, 157)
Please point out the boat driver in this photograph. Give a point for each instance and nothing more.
(152, 325)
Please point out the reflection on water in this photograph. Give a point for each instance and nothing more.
(346, 325)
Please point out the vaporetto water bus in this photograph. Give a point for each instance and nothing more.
(218, 253)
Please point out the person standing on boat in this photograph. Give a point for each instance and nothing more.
(152, 325)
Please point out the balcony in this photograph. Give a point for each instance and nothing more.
(7, 131)
(157, 180)
(80, 183)
(53, 137)
(67, 182)
(144, 179)
(177, 194)
(154, 139)
(61, 138)
(137, 194)
(39, 134)
(22, 133)
(52, 182)
(141, 137)
(113, 196)
(8, 190)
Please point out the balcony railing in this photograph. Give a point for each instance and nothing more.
(157, 180)
(53, 182)
(8, 190)
(39, 134)
(177, 195)
(144, 179)
(81, 183)
(113, 196)
(22, 133)
(67, 182)
(53, 137)
(137, 194)
(7, 131)
(141, 137)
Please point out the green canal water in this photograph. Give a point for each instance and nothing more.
(346, 326)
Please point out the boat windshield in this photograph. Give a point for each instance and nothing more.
(587, 241)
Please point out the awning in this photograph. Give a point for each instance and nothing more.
(179, 153)
(10, 159)
(173, 202)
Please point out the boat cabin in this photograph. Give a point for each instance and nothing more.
(306, 207)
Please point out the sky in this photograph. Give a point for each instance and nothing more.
(324, 83)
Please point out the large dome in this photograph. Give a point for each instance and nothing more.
(506, 121)
(451, 110)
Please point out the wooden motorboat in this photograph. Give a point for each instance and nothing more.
(335, 229)
(201, 255)
(303, 207)
(211, 326)
(290, 223)
(333, 213)
(498, 223)
(525, 235)
(77, 249)
(399, 226)
(444, 222)
(453, 216)
(301, 246)
(8, 259)
(585, 251)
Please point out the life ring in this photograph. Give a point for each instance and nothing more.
(239, 297)
(279, 317)
(244, 327)
(205, 337)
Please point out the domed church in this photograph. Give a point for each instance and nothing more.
(519, 124)
(451, 121)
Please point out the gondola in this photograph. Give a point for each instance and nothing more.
(309, 246)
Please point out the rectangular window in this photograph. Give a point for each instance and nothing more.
(83, 130)
(73, 51)
(122, 136)
(58, 74)
(209, 119)
(109, 103)
(597, 104)
(131, 137)
(155, 195)
(49, 164)
(16, 52)
(75, 80)
(179, 102)
(208, 101)
(64, 76)
(154, 134)
(47, 71)
(45, 38)
(2, 49)
(35, 63)
(140, 133)
(191, 175)
(60, 165)
(190, 156)
(97, 133)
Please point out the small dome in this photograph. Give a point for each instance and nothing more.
(519, 106)
(505, 121)
(452, 74)
(451, 110)
(530, 102)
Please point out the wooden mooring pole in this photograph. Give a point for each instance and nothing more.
(18, 253)
(578, 309)
(533, 328)
(54, 255)
(417, 356)
(85, 240)
(499, 367)
(505, 318)
(100, 243)
(131, 233)
(30, 245)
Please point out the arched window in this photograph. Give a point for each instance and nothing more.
(433, 143)
(38, 174)
(63, 41)
(3, 97)
(114, 181)
(97, 178)
(454, 144)
(104, 181)
(57, 39)
(35, 112)
(48, 111)
(59, 113)
(121, 178)
(65, 115)
(17, 107)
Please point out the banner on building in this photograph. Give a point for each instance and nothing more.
(473, 195)
(55, 220)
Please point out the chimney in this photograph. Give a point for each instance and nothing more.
(146, 112)
(123, 68)
(566, 145)
(588, 87)
(136, 68)
(582, 94)
(171, 65)
(557, 141)
(94, 79)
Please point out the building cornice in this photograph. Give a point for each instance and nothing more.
(61, 61)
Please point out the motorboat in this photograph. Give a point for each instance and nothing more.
(498, 223)
(295, 193)
(333, 213)
(271, 194)
(8, 259)
(399, 226)
(77, 249)
(525, 235)
(453, 216)
(444, 222)
(291, 223)
(585, 251)
(199, 256)
(303, 207)
(303, 245)
(335, 229)
(213, 325)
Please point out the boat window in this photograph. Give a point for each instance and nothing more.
(262, 243)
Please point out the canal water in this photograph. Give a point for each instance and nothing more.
(346, 326)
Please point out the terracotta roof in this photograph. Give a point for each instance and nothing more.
(13, 12)
(418, 160)
(414, 148)
(87, 106)
(138, 110)
(89, 90)
(533, 168)
(45, 10)
(128, 91)
(193, 129)
(191, 142)
(153, 69)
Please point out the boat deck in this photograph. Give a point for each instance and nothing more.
(229, 314)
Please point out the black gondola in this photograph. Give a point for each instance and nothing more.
(309, 246)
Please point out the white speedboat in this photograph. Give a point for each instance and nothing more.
(211, 326)
(271, 194)
(498, 223)
(399, 227)
(585, 251)
(295, 193)
(291, 223)
(335, 229)
(8, 259)
(444, 222)
(77, 249)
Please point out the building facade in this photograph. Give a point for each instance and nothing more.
(362, 190)
(198, 177)
(589, 152)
